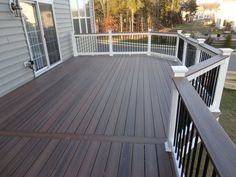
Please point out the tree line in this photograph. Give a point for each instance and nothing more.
(140, 15)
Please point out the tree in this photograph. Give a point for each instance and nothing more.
(190, 6)
(170, 12)
(118, 8)
(133, 6)
(110, 23)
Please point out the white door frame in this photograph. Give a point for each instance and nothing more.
(49, 66)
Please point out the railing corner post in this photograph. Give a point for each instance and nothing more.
(177, 43)
(221, 80)
(178, 71)
(198, 51)
(149, 42)
(110, 43)
(74, 45)
(187, 35)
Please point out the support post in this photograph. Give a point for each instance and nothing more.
(177, 43)
(187, 35)
(149, 42)
(74, 45)
(110, 43)
(178, 71)
(198, 51)
(221, 80)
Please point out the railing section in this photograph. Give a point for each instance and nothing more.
(199, 145)
(164, 44)
(192, 51)
(190, 152)
(125, 43)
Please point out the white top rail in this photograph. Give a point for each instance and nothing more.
(128, 33)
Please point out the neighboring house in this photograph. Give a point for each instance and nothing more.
(41, 35)
(206, 11)
(226, 14)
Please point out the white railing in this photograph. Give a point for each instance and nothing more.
(181, 47)
(125, 43)
(207, 78)
(198, 82)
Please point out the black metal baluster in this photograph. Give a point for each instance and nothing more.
(199, 160)
(184, 137)
(177, 122)
(189, 150)
(213, 173)
(186, 143)
(216, 74)
(202, 86)
(180, 129)
(205, 88)
(205, 166)
(194, 155)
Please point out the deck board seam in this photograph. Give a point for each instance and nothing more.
(92, 137)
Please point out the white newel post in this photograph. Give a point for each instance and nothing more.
(187, 35)
(110, 43)
(178, 71)
(198, 51)
(74, 45)
(149, 42)
(221, 80)
(177, 43)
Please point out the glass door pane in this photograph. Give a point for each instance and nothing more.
(34, 35)
(50, 34)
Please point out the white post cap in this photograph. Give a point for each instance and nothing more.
(201, 41)
(187, 34)
(149, 30)
(179, 71)
(179, 31)
(226, 51)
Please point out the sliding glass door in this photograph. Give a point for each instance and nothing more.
(41, 34)
(34, 34)
(50, 34)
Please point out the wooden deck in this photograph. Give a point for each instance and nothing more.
(90, 116)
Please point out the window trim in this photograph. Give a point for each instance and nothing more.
(79, 18)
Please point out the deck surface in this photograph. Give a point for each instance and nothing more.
(90, 116)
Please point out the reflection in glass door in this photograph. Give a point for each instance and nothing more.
(34, 35)
(50, 34)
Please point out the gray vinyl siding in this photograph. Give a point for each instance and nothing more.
(64, 27)
(13, 51)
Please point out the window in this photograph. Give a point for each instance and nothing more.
(81, 16)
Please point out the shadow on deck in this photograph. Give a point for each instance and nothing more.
(91, 116)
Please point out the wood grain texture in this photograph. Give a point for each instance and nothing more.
(90, 116)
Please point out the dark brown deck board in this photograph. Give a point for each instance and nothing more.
(43, 157)
(91, 116)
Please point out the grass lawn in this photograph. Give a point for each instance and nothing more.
(228, 117)
(197, 27)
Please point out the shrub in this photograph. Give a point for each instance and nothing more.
(228, 40)
(209, 40)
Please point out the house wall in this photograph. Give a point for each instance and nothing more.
(13, 51)
(64, 27)
(226, 11)
(13, 46)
